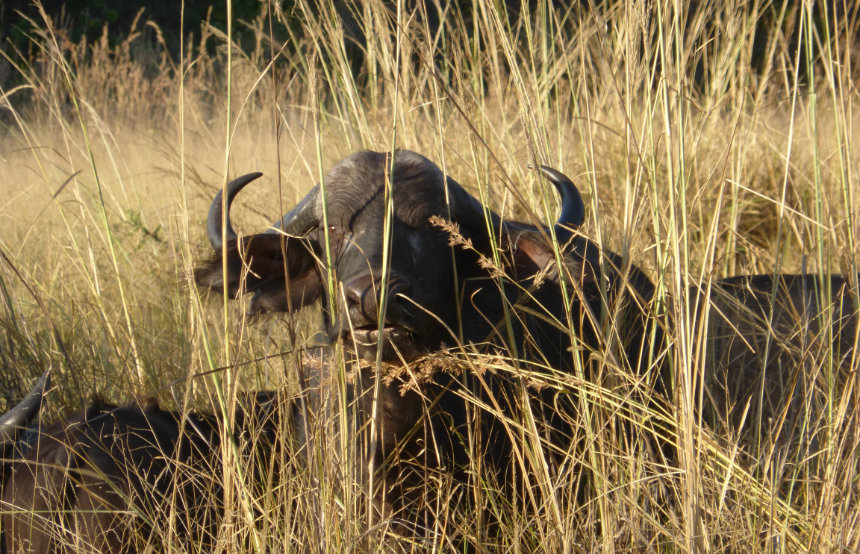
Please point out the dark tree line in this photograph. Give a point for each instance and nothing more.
(78, 19)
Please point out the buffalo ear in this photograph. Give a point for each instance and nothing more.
(533, 253)
(273, 297)
(210, 275)
(268, 265)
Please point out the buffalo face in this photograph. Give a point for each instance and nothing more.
(399, 283)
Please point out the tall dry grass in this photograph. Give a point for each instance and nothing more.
(706, 143)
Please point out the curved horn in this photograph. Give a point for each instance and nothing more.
(304, 217)
(213, 222)
(572, 206)
(12, 421)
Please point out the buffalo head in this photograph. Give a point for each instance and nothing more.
(439, 269)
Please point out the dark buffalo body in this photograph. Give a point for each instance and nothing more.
(115, 478)
(446, 297)
(776, 348)
(75, 490)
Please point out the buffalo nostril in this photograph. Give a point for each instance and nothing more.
(362, 297)
(398, 294)
(397, 287)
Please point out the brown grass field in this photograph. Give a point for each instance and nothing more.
(705, 143)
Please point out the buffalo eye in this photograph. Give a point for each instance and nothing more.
(340, 239)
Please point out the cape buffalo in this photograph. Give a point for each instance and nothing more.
(760, 330)
(408, 263)
(107, 479)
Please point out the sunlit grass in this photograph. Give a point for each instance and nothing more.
(705, 143)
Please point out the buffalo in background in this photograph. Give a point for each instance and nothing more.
(780, 353)
(104, 479)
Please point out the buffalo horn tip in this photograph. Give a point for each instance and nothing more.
(213, 221)
(16, 418)
(572, 206)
